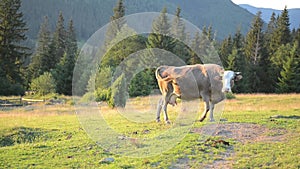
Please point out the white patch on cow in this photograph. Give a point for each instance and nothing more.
(227, 78)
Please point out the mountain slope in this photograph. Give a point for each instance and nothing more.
(267, 12)
(89, 15)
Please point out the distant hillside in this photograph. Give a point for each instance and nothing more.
(89, 15)
(267, 12)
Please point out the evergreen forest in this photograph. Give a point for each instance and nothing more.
(268, 55)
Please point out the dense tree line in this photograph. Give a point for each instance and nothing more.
(268, 58)
(268, 55)
(52, 62)
(56, 55)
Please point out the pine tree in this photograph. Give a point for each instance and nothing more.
(283, 27)
(287, 82)
(279, 39)
(12, 52)
(271, 46)
(64, 70)
(41, 57)
(280, 36)
(238, 39)
(269, 39)
(116, 23)
(208, 33)
(233, 58)
(178, 27)
(225, 50)
(58, 44)
(141, 84)
(178, 31)
(253, 52)
(297, 39)
(206, 50)
(254, 40)
(71, 40)
(231, 63)
(117, 53)
(195, 59)
(159, 38)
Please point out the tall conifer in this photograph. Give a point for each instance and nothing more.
(63, 73)
(178, 31)
(12, 52)
(253, 52)
(116, 23)
(58, 44)
(40, 59)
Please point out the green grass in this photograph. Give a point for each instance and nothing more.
(45, 136)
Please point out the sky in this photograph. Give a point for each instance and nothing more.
(274, 4)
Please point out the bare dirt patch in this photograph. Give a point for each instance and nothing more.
(241, 132)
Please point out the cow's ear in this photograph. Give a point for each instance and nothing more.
(238, 76)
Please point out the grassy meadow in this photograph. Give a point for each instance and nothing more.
(256, 131)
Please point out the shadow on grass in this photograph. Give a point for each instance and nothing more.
(285, 117)
(19, 135)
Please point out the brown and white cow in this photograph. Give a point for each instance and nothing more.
(207, 81)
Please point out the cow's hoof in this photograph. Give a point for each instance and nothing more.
(157, 120)
(212, 120)
(168, 122)
(201, 120)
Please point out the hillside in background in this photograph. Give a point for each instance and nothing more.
(89, 15)
(267, 12)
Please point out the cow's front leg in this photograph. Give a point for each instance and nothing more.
(211, 116)
(206, 109)
(159, 106)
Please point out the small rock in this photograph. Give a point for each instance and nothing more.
(69, 137)
(146, 131)
(89, 148)
(121, 137)
(107, 160)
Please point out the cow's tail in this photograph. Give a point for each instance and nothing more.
(157, 74)
(159, 77)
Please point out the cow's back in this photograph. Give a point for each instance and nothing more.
(192, 81)
(187, 81)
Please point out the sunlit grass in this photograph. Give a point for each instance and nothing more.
(51, 136)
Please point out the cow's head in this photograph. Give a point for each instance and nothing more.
(228, 79)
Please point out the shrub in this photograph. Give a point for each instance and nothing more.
(87, 98)
(44, 84)
(230, 96)
(103, 94)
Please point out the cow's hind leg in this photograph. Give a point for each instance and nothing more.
(206, 109)
(165, 104)
(159, 106)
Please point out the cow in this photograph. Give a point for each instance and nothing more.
(189, 82)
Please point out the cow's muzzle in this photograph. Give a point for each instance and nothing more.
(226, 90)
